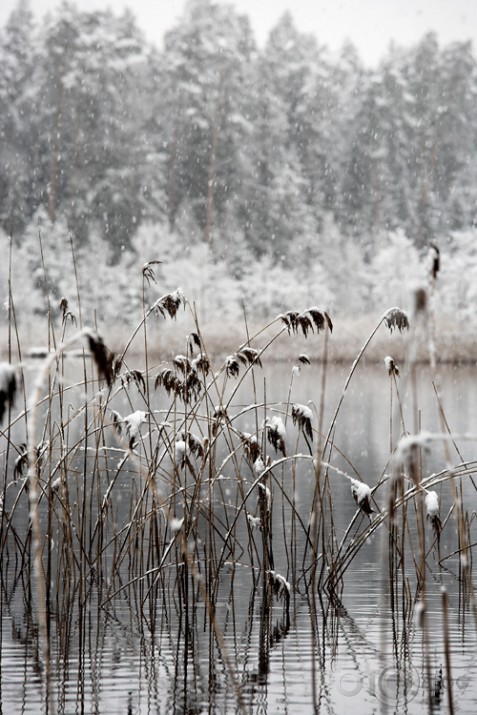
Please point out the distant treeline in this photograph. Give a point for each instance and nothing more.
(264, 147)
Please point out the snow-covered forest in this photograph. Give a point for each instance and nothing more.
(275, 177)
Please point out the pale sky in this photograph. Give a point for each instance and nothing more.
(370, 24)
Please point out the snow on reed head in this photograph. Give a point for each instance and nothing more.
(246, 356)
(264, 496)
(310, 320)
(193, 341)
(432, 508)
(432, 504)
(196, 445)
(391, 366)
(131, 424)
(8, 387)
(66, 312)
(302, 416)
(201, 363)
(188, 444)
(169, 303)
(176, 524)
(302, 360)
(251, 446)
(396, 318)
(136, 377)
(259, 466)
(180, 452)
(148, 272)
(276, 433)
(362, 495)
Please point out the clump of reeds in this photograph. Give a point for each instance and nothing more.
(158, 496)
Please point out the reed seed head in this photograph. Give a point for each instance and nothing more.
(391, 366)
(362, 495)
(180, 452)
(129, 425)
(65, 312)
(169, 304)
(246, 356)
(186, 387)
(148, 272)
(396, 318)
(169, 381)
(320, 319)
(259, 466)
(182, 363)
(103, 357)
(201, 363)
(21, 462)
(432, 509)
(136, 377)
(303, 416)
(219, 417)
(117, 422)
(308, 321)
(251, 446)
(232, 367)
(276, 433)
(249, 356)
(193, 443)
(193, 340)
(264, 495)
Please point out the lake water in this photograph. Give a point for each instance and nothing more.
(130, 625)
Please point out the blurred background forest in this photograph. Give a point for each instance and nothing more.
(278, 177)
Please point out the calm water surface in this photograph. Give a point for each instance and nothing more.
(126, 652)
